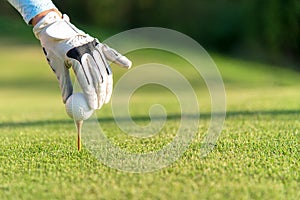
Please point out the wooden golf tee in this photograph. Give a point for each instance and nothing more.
(79, 125)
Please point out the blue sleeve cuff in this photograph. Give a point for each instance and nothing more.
(30, 8)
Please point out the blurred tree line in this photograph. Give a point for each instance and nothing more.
(262, 29)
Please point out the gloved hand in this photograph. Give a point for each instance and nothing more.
(65, 46)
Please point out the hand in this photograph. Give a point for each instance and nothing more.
(67, 47)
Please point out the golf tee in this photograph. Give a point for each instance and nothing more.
(79, 125)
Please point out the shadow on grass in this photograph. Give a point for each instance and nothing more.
(35, 123)
(147, 118)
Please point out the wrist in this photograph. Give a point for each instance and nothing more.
(41, 15)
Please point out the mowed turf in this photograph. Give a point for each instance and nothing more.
(256, 156)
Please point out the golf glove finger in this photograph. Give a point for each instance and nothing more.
(66, 47)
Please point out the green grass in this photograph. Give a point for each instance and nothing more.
(256, 157)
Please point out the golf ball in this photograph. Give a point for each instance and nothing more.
(77, 107)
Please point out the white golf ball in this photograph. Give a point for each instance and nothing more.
(77, 107)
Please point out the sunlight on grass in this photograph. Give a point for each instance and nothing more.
(256, 157)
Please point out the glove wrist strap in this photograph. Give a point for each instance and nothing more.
(47, 20)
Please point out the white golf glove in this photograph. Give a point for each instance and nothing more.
(65, 46)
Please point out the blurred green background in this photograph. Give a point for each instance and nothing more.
(266, 31)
